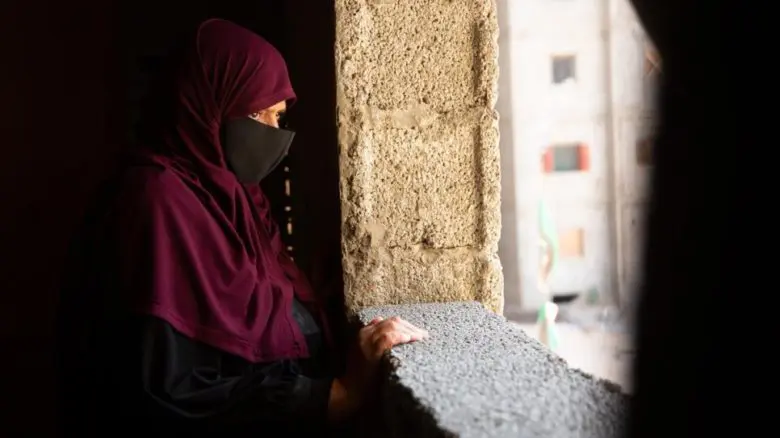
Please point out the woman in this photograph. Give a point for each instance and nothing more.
(182, 311)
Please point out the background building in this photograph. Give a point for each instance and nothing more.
(576, 108)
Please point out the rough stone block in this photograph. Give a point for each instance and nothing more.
(419, 150)
(420, 275)
(400, 53)
(480, 376)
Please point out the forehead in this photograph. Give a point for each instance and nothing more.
(279, 106)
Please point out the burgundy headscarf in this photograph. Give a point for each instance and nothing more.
(197, 248)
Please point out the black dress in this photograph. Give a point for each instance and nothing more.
(143, 378)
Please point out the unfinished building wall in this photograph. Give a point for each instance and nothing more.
(419, 161)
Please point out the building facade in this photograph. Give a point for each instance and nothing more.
(582, 103)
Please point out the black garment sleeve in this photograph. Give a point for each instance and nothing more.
(193, 382)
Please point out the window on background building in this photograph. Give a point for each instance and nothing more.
(652, 61)
(645, 141)
(572, 243)
(564, 68)
(644, 151)
(651, 73)
(569, 157)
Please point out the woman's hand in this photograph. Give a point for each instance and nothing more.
(373, 341)
(380, 335)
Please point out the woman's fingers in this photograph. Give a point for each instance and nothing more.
(381, 334)
(399, 324)
(391, 332)
(416, 331)
(388, 339)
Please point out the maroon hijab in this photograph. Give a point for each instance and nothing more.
(196, 247)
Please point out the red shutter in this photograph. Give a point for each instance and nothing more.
(584, 157)
(548, 163)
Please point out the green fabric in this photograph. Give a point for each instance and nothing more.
(548, 231)
(552, 331)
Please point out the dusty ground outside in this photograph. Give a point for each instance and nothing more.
(603, 351)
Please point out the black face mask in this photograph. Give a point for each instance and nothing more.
(254, 149)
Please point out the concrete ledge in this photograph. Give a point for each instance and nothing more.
(480, 376)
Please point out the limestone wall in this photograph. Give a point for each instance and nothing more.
(419, 163)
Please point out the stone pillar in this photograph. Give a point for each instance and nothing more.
(419, 160)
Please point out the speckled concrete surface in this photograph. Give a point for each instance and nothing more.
(481, 376)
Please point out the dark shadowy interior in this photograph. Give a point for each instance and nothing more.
(73, 77)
